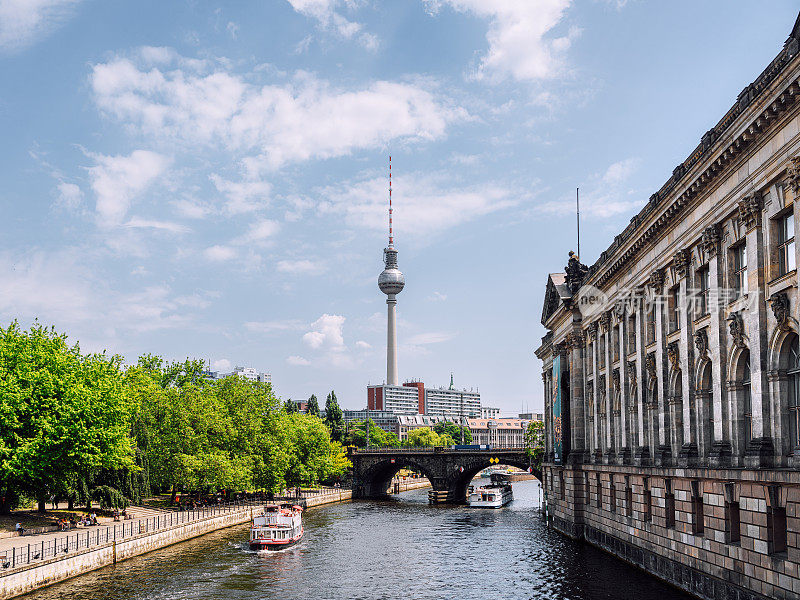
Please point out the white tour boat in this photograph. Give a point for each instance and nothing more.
(277, 527)
(493, 495)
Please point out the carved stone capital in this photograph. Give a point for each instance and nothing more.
(632, 374)
(750, 210)
(591, 331)
(701, 342)
(681, 260)
(656, 280)
(710, 240)
(575, 340)
(780, 308)
(650, 366)
(673, 354)
(793, 174)
(605, 322)
(736, 327)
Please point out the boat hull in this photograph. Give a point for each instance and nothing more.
(274, 544)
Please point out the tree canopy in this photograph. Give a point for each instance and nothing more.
(425, 436)
(357, 436)
(454, 431)
(80, 426)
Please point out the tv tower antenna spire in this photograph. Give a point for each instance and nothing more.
(391, 237)
(391, 283)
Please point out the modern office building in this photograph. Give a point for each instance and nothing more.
(398, 399)
(488, 412)
(450, 402)
(414, 398)
(386, 420)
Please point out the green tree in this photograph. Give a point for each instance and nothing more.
(289, 406)
(63, 415)
(312, 407)
(534, 442)
(454, 431)
(334, 418)
(357, 436)
(425, 436)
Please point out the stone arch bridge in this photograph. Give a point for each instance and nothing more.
(449, 470)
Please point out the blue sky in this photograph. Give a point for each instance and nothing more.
(209, 179)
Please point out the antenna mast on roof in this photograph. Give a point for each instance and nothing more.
(578, 215)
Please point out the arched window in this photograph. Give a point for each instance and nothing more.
(794, 392)
(747, 405)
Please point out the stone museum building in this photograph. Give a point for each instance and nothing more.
(671, 366)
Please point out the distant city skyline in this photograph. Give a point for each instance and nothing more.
(197, 180)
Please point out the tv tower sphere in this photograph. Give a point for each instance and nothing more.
(391, 280)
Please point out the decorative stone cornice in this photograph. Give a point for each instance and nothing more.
(560, 348)
(710, 240)
(680, 261)
(750, 211)
(736, 328)
(719, 143)
(650, 366)
(673, 354)
(701, 342)
(656, 280)
(780, 308)
(793, 174)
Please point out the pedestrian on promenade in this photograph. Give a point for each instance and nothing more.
(20, 529)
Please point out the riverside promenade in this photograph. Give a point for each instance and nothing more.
(30, 562)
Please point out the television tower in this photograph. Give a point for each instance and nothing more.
(391, 283)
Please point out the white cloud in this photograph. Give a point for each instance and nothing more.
(268, 125)
(431, 337)
(243, 196)
(362, 345)
(326, 333)
(620, 171)
(329, 19)
(137, 223)
(425, 204)
(299, 267)
(232, 29)
(222, 365)
(297, 361)
(606, 195)
(437, 296)
(259, 232)
(23, 22)
(520, 44)
(67, 290)
(70, 196)
(220, 253)
(118, 180)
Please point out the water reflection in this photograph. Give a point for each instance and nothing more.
(381, 550)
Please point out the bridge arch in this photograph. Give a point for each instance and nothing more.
(377, 477)
(463, 481)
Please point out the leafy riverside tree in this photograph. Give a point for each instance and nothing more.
(534, 442)
(357, 436)
(454, 431)
(425, 436)
(312, 406)
(64, 416)
(334, 418)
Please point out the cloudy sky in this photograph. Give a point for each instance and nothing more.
(206, 179)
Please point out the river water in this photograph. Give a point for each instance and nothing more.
(381, 550)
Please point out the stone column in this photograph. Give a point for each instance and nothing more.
(624, 450)
(575, 343)
(595, 391)
(716, 349)
(660, 438)
(760, 451)
(606, 324)
(688, 444)
(641, 453)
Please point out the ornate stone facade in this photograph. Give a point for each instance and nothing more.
(700, 411)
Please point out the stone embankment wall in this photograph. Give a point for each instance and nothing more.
(27, 578)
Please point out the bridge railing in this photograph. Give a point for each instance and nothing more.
(432, 449)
